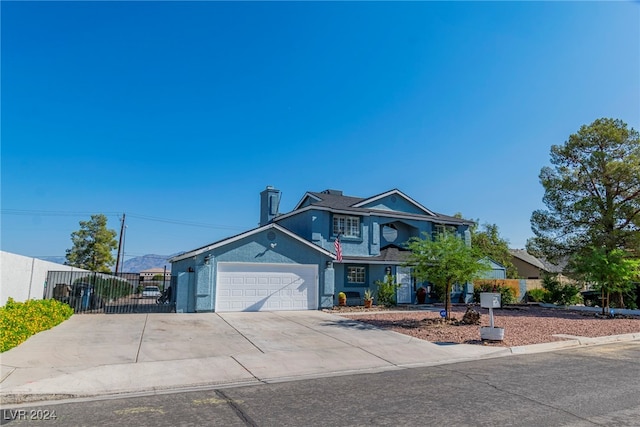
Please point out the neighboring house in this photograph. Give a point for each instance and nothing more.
(148, 275)
(530, 267)
(496, 270)
(289, 261)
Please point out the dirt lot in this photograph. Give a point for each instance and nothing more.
(523, 324)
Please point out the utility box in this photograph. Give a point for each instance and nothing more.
(490, 300)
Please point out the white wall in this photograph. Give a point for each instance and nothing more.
(23, 278)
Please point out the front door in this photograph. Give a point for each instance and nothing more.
(404, 292)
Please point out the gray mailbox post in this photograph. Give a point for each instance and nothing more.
(491, 300)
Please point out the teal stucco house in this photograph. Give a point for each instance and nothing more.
(289, 262)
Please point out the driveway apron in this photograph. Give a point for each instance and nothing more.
(107, 354)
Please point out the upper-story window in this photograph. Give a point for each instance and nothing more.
(349, 226)
(441, 229)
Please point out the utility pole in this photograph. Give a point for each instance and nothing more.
(120, 244)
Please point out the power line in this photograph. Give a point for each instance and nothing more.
(131, 215)
(51, 213)
(179, 222)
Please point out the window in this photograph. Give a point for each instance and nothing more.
(390, 233)
(441, 229)
(356, 275)
(349, 226)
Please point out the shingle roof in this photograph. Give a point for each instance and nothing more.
(390, 254)
(555, 268)
(541, 263)
(527, 257)
(335, 200)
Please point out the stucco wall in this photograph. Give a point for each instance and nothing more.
(394, 203)
(526, 270)
(23, 278)
(257, 248)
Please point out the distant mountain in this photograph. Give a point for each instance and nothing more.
(56, 259)
(145, 262)
(133, 265)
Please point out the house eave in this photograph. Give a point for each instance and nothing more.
(307, 194)
(398, 193)
(437, 219)
(246, 234)
(364, 260)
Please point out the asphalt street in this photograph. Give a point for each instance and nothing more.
(585, 386)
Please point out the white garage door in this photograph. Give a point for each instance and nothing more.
(266, 287)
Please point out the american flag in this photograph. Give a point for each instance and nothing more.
(338, 247)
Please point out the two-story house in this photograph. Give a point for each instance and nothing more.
(289, 261)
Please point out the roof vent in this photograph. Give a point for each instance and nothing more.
(333, 192)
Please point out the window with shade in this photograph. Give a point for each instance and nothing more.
(347, 226)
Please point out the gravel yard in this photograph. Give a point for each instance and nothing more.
(523, 324)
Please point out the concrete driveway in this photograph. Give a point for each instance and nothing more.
(104, 354)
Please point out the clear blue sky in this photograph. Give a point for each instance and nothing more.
(186, 111)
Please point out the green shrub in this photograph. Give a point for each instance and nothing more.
(108, 288)
(558, 293)
(438, 291)
(507, 295)
(20, 320)
(630, 300)
(537, 295)
(387, 291)
(623, 299)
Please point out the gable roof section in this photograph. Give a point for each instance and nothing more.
(394, 192)
(306, 196)
(493, 264)
(334, 201)
(329, 199)
(246, 234)
(525, 256)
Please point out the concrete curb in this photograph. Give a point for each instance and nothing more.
(544, 347)
(582, 308)
(572, 341)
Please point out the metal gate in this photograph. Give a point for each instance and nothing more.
(92, 292)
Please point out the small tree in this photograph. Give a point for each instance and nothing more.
(444, 261)
(610, 271)
(92, 245)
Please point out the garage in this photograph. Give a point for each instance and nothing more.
(266, 287)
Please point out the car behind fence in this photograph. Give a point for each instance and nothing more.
(108, 293)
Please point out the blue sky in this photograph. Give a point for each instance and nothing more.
(179, 114)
